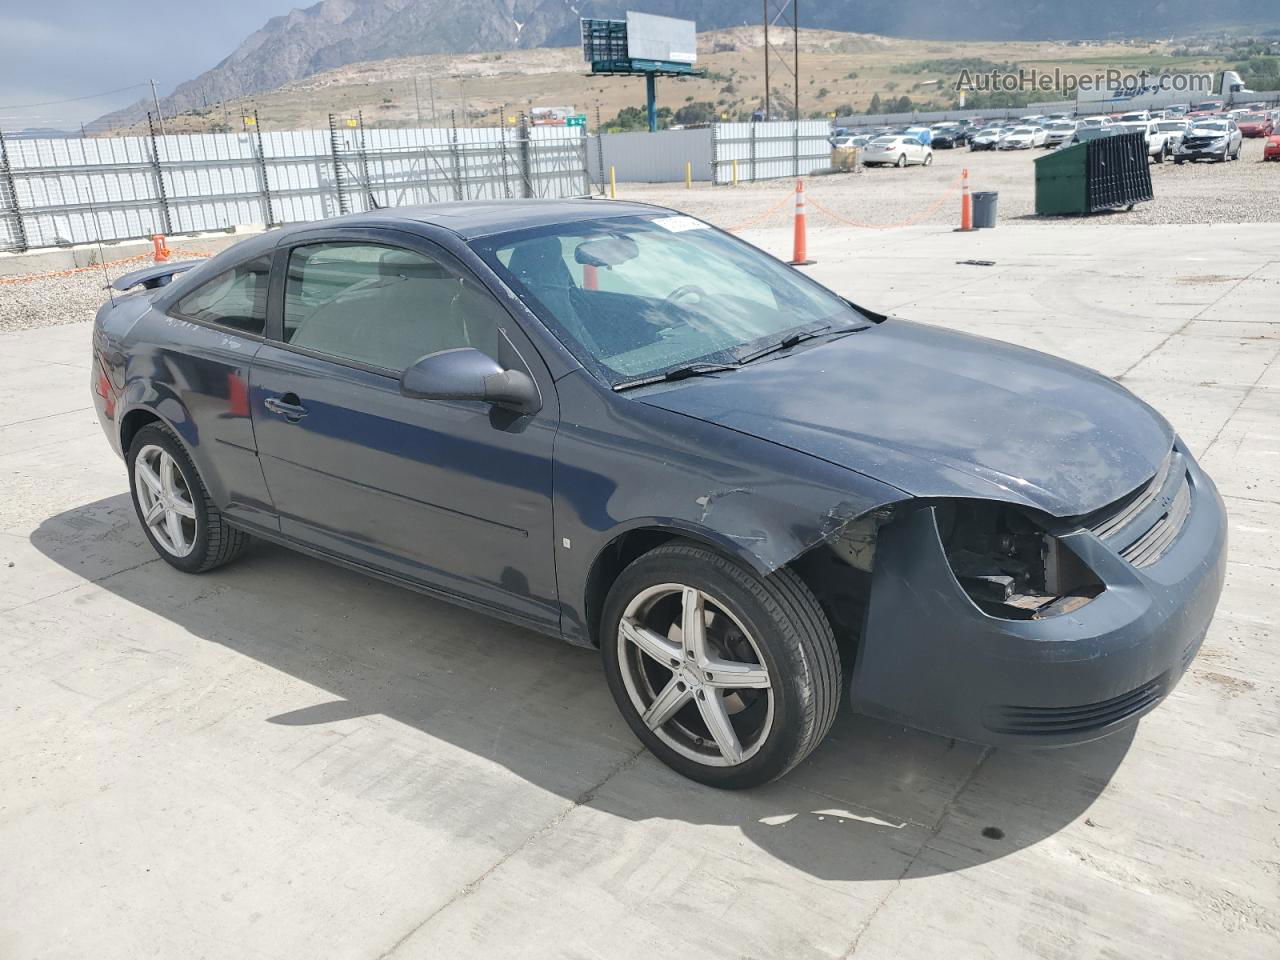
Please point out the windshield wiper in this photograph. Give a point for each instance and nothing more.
(676, 373)
(786, 343)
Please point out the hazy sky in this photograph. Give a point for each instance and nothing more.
(72, 48)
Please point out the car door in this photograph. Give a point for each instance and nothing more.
(210, 336)
(455, 495)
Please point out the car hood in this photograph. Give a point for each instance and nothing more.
(938, 413)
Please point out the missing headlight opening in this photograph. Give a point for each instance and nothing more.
(1009, 566)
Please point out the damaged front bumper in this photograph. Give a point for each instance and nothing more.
(930, 658)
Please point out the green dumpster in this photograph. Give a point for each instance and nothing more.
(1107, 173)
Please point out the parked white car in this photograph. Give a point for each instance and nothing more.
(896, 152)
(1023, 138)
(1057, 132)
(1085, 122)
(988, 138)
(1165, 138)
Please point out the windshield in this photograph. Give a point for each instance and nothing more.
(1252, 118)
(1172, 125)
(1021, 130)
(634, 297)
(1218, 125)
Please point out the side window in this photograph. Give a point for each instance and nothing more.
(236, 298)
(383, 306)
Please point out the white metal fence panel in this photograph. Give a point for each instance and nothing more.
(644, 157)
(769, 150)
(67, 191)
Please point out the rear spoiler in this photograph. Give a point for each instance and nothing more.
(157, 275)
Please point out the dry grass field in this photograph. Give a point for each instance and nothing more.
(838, 70)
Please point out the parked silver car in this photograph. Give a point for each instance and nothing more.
(1210, 139)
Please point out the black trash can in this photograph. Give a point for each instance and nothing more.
(984, 208)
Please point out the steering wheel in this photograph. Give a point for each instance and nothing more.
(685, 290)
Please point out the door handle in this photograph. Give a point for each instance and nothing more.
(287, 406)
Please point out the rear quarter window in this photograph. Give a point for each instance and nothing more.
(235, 298)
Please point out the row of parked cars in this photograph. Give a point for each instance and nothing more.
(1180, 133)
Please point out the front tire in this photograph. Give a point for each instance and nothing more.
(173, 505)
(729, 678)
(928, 159)
(902, 160)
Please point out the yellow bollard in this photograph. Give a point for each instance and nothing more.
(613, 184)
(688, 175)
(735, 172)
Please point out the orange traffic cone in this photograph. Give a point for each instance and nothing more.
(966, 204)
(161, 248)
(799, 248)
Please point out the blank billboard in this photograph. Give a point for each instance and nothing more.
(661, 38)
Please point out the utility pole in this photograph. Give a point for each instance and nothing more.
(156, 100)
(766, 61)
(788, 12)
(417, 103)
(462, 98)
(431, 89)
(795, 52)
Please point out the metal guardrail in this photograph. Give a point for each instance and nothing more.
(68, 191)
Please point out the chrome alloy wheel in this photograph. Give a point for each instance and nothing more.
(165, 500)
(695, 675)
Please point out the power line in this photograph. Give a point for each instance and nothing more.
(91, 96)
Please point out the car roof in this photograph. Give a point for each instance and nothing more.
(468, 219)
(480, 218)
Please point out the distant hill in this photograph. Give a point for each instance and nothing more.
(334, 33)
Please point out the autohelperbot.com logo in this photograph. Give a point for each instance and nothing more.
(1067, 83)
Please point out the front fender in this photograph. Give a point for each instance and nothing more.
(623, 468)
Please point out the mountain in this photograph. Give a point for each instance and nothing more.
(333, 33)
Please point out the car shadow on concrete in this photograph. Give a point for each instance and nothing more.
(875, 801)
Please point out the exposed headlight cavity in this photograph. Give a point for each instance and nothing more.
(1008, 565)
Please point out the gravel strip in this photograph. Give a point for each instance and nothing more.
(46, 301)
(1240, 192)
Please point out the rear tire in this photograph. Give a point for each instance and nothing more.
(770, 630)
(928, 159)
(173, 505)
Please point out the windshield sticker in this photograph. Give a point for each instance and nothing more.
(680, 224)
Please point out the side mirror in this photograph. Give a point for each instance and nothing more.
(466, 373)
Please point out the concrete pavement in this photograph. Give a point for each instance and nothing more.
(284, 759)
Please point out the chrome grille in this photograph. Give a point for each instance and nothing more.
(1142, 525)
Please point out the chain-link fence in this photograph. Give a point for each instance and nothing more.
(55, 192)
